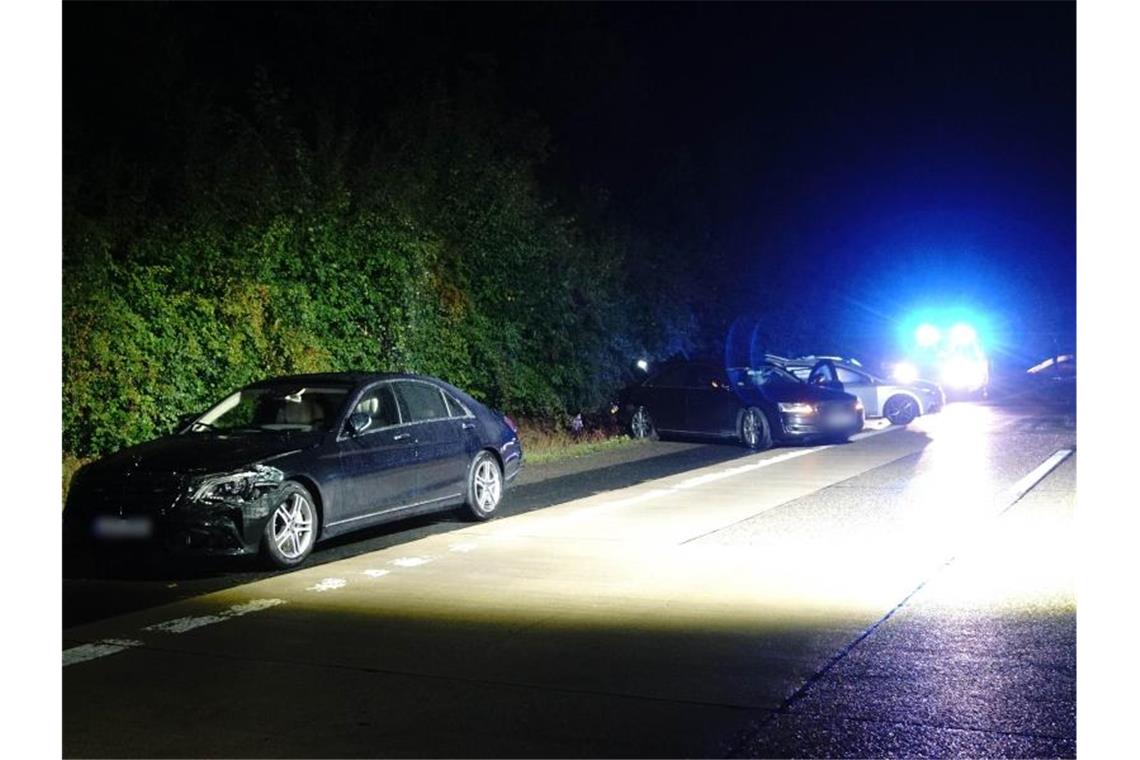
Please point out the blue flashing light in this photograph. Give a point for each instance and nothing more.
(962, 334)
(927, 335)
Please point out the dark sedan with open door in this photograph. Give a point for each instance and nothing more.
(757, 406)
(283, 463)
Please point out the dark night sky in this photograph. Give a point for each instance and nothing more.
(887, 155)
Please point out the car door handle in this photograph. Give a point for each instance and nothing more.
(402, 437)
(468, 426)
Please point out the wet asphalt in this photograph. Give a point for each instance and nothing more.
(898, 596)
(96, 589)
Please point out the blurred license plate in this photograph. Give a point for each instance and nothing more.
(840, 419)
(123, 528)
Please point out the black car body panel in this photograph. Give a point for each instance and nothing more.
(698, 398)
(149, 496)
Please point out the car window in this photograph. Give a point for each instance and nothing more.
(422, 401)
(275, 408)
(381, 407)
(822, 373)
(454, 407)
(708, 377)
(677, 376)
(769, 374)
(850, 376)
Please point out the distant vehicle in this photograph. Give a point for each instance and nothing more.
(757, 406)
(283, 463)
(899, 402)
(953, 355)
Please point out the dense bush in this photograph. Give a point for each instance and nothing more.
(256, 247)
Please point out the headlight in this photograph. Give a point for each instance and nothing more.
(241, 485)
(964, 373)
(797, 408)
(858, 404)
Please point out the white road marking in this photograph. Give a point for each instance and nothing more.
(711, 477)
(376, 573)
(464, 547)
(411, 561)
(184, 624)
(1013, 494)
(85, 652)
(329, 584)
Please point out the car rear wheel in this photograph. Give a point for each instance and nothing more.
(291, 530)
(484, 486)
(754, 430)
(900, 409)
(641, 424)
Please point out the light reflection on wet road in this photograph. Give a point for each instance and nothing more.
(733, 608)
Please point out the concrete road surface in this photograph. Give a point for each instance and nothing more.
(907, 594)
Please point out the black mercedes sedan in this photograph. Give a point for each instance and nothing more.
(281, 464)
(757, 406)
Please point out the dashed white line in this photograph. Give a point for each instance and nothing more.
(411, 561)
(183, 624)
(464, 547)
(371, 573)
(85, 652)
(328, 584)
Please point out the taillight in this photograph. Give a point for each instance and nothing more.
(510, 423)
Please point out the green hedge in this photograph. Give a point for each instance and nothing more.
(425, 244)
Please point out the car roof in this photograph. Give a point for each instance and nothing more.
(352, 378)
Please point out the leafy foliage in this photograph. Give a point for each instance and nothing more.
(261, 243)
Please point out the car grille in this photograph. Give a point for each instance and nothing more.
(133, 493)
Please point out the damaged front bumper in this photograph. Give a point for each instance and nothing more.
(206, 515)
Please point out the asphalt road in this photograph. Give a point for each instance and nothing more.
(93, 590)
(907, 594)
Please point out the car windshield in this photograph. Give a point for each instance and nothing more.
(769, 374)
(274, 408)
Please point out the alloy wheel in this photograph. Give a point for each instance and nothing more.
(488, 485)
(640, 425)
(293, 526)
(900, 410)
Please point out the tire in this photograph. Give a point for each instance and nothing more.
(754, 431)
(484, 486)
(291, 531)
(900, 409)
(641, 425)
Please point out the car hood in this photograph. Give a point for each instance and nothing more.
(206, 452)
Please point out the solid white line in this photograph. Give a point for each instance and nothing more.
(1013, 494)
(85, 652)
(710, 477)
(184, 624)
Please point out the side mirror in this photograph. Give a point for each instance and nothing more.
(357, 423)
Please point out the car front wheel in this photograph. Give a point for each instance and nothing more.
(291, 530)
(754, 430)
